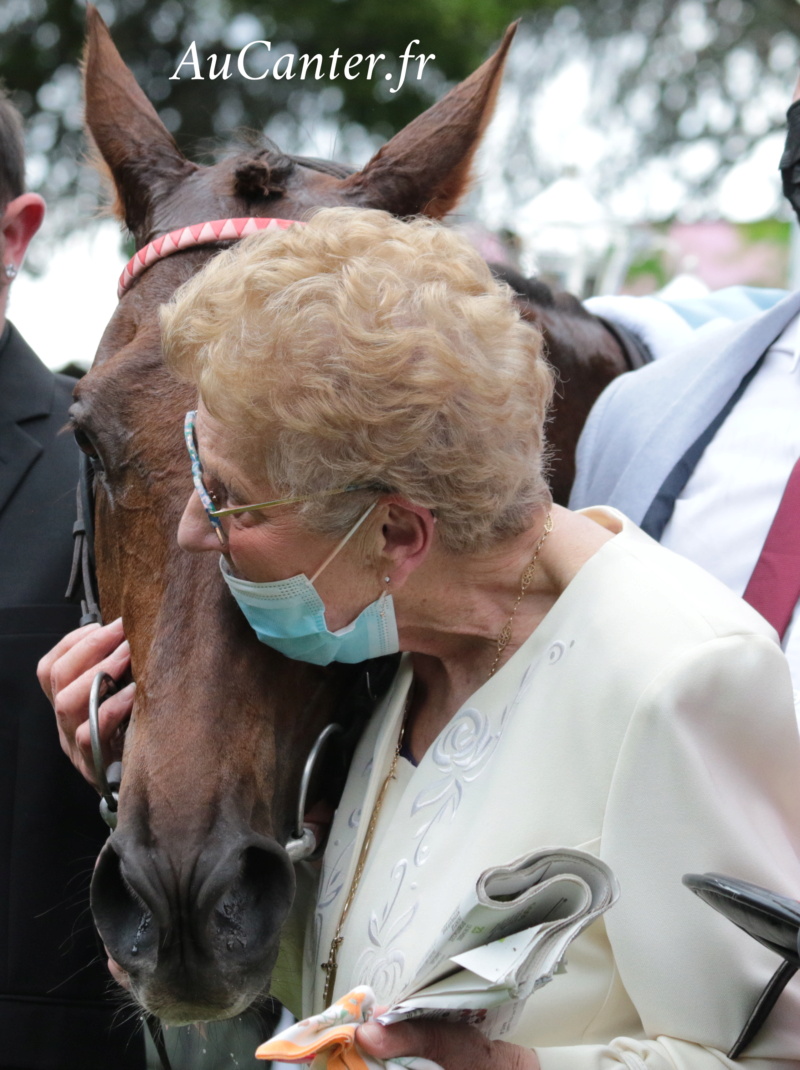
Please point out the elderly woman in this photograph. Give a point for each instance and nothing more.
(370, 467)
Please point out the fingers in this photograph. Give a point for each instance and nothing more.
(319, 819)
(114, 712)
(66, 675)
(72, 688)
(88, 654)
(75, 653)
(451, 1045)
(44, 669)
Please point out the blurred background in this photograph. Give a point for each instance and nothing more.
(635, 144)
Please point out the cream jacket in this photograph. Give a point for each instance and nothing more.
(648, 719)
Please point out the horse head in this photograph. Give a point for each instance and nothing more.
(190, 892)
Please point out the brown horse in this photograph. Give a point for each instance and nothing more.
(192, 888)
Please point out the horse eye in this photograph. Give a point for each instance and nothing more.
(88, 447)
(84, 442)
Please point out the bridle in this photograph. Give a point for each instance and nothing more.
(302, 844)
(83, 576)
(176, 241)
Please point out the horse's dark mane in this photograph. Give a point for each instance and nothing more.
(539, 293)
(532, 289)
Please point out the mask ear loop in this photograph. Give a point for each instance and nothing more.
(343, 543)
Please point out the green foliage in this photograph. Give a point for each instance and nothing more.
(651, 265)
(771, 231)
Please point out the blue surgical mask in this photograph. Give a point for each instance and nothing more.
(289, 616)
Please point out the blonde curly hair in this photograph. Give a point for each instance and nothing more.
(359, 349)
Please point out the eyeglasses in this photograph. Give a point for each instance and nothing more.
(214, 514)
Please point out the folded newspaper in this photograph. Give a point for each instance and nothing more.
(507, 938)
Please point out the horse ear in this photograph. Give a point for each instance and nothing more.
(134, 144)
(426, 167)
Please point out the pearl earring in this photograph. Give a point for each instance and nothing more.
(387, 579)
(11, 271)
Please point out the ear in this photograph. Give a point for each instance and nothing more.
(139, 151)
(22, 218)
(407, 533)
(426, 168)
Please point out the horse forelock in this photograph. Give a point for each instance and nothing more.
(262, 169)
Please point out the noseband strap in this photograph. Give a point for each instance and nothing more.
(188, 237)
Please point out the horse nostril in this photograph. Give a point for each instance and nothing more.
(124, 923)
(247, 916)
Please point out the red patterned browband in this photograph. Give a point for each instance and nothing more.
(196, 234)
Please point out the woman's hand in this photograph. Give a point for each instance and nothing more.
(451, 1045)
(66, 674)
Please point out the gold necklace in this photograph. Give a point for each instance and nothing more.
(504, 637)
(332, 964)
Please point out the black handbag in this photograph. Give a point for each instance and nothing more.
(772, 919)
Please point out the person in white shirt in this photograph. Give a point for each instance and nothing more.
(722, 516)
(699, 447)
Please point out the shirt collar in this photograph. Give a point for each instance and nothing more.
(788, 343)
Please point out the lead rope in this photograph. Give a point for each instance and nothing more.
(157, 1033)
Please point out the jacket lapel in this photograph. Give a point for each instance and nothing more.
(27, 389)
(18, 451)
(708, 386)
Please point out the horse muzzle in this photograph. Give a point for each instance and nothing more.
(196, 934)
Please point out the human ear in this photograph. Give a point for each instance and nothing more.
(407, 534)
(22, 218)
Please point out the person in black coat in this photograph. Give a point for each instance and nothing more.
(57, 1010)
